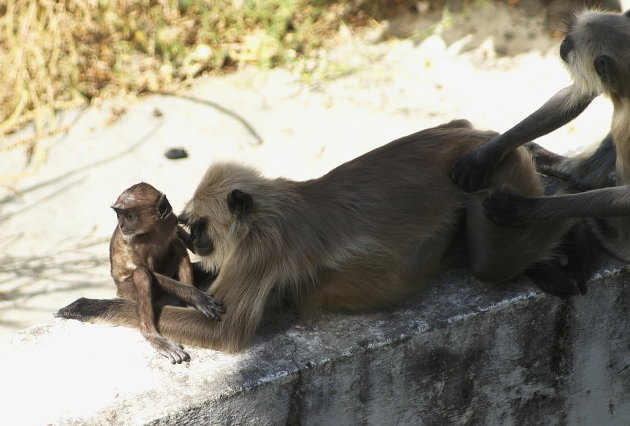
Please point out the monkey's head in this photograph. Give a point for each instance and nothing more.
(596, 50)
(142, 209)
(221, 211)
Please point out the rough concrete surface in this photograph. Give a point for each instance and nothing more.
(466, 352)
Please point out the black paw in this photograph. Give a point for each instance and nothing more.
(76, 310)
(209, 306)
(552, 277)
(504, 208)
(472, 171)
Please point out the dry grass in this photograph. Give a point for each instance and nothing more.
(56, 54)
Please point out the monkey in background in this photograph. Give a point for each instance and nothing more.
(365, 235)
(147, 257)
(596, 50)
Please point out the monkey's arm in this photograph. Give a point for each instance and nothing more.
(506, 208)
(185, 238)
(472, 171)
(184, 267)
(192, 296)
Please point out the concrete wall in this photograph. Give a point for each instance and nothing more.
(465, 353)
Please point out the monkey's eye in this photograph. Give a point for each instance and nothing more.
(130, 216)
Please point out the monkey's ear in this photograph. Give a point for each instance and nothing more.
(240, 202)
(604, 67)
(163, 207)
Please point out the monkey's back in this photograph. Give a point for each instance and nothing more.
(385, 219)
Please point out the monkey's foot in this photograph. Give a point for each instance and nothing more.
(77, 310)
(172, 351)
(209, 306)
(552, 277)
(504, 208)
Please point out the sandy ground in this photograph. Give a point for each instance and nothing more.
(365, 93)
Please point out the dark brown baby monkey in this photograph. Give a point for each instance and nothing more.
(147, 258)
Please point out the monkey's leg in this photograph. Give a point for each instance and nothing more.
(203, 301)
(144, 309)
(185, 238)
(499, 253)
(472, 171)
(187, 326)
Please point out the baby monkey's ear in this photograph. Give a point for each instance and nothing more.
(163, 207)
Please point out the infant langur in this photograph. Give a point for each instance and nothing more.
(148, 258)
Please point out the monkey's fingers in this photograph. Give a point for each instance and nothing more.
(210, 307)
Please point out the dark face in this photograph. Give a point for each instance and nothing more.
(199, 233)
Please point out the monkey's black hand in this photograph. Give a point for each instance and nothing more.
(209, 306)
(78, 310)
(504, 208)
(472, 171)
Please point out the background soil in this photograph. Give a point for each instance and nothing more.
(491, 64)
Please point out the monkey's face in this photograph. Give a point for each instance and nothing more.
(596, 50)
(135, 221)
(217, 224)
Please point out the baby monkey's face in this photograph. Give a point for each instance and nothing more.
(142, 209)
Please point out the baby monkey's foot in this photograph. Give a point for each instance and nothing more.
(172, 351)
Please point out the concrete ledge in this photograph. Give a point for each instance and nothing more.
(463, 353)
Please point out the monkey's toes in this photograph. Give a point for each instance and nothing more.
(172, 351)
